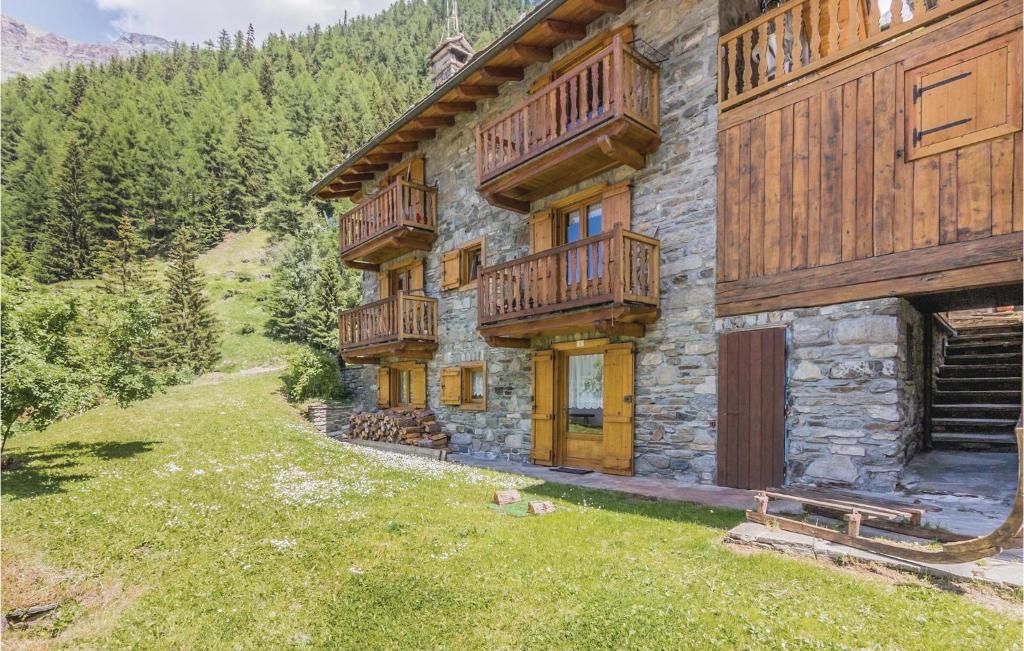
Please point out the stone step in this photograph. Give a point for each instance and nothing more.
(991, 336)
(982, 348)
(973, 424)
(978, 384)
(984, 360)
(983, 371)
(973, 440)
(975, 394)
(983, 410)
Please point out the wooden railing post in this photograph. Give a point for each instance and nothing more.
(618, 93)
(615, 254)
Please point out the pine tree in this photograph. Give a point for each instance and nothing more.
(191, 333)
(248, 53)
(67, 242)
(123, 266)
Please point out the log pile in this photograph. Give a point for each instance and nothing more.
(417, 427)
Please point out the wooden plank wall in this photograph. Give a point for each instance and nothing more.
(823, 180)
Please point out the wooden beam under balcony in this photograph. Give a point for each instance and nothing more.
(370, 167)
(328, 195)
(476, 91)
(397, 147)
(383, 158)
(452, 108)
(341, 186)
(607, 6)
(434, 122)
(501, 74)
(532, 53)
(414, 135)
(564, 30)
(354, 177)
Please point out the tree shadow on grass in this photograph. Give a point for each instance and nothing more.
(713, 516)
(47, 470)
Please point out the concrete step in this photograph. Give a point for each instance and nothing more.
(984, 371)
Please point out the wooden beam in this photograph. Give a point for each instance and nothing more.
(434, 122)
(383, 158)
(455, 107)
(564, 30)
(362, 266)
(341, 186)
(623, 154)
(532, 53)
(352, 177)
(397, 147)
(413, 135)
(607, 6)
(370, 167)
(327, 195)
(620, 328)
(501, 74)
(508, 203)
(476, 91)
(507, 342)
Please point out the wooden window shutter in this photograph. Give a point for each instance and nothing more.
(618, 409)
(542, 231)
(964, 98)
(384, 387)
(383, 285)
(417, 170)
(543, 444)
(450, 265)
(416, 282)
(419, 386)
(616, 206)
(451, 386)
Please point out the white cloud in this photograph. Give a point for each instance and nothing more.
(195, 21)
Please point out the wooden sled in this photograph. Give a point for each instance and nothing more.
(895, 518)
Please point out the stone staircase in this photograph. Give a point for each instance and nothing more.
(977, 396)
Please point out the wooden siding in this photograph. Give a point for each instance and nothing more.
(822, 180)
(751, 408)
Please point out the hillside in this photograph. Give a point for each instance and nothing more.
(27, 50)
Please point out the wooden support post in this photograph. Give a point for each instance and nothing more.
(853, 523)
(761, 499)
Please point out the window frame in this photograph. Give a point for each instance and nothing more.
(466, 386)
(580, 201)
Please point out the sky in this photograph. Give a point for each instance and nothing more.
(192, 21)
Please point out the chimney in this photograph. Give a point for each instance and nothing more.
(453, 52)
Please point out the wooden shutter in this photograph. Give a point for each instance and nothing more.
(384, 387)
(451, 386)
(383, 285)
(542, 231)
(751, 408)
(450, 270)
(964, 98)
(417, 170)
(616, 207)
(543, 445)
(618, 409)
(419, 386)
(416, 277)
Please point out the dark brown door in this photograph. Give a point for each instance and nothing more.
(751, 408)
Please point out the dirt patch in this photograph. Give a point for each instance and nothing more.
(217, 377)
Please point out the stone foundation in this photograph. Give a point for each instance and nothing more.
(329, 417)
(855, 382)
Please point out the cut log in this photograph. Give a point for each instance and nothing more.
(540, 507)
(501, 498)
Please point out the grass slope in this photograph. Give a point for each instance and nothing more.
(210, 516)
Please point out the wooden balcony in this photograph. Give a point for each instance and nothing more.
(403, 326)
(397, 220)
(608, 282)
(600, 114)
(802, 36)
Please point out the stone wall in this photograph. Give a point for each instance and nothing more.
(673, 197)
(855, 381)
(329, 417)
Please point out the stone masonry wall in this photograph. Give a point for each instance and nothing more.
(855, 381)
(673, 198)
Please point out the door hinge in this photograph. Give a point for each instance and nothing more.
(627, 398)
(920, 90)
(918, 135)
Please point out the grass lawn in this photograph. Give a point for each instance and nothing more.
(211, 516)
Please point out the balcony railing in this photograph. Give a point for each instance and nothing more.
(613, 82)
(396, 319)
(616, 267)
(801, 36)
(401, 204)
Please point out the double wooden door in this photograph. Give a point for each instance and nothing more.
(583, 406)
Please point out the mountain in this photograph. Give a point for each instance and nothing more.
(27, 50)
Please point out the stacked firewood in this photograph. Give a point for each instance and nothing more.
(417, 427)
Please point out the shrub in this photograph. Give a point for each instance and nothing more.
(247, 329)
(312, 375)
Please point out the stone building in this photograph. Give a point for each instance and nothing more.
(557, 241)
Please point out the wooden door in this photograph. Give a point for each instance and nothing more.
(618, 409)
(580, 420)
(542, 448)
(751, 408)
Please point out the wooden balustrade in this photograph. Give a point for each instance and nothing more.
(394, 319)
(614, 267)
(615, 81)
(403, 203)
(801, 36)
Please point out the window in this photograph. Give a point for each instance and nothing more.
(465, 386)
(401, 279)
(460, 268)
(406, 278)
(580, 221)
(402, 385)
